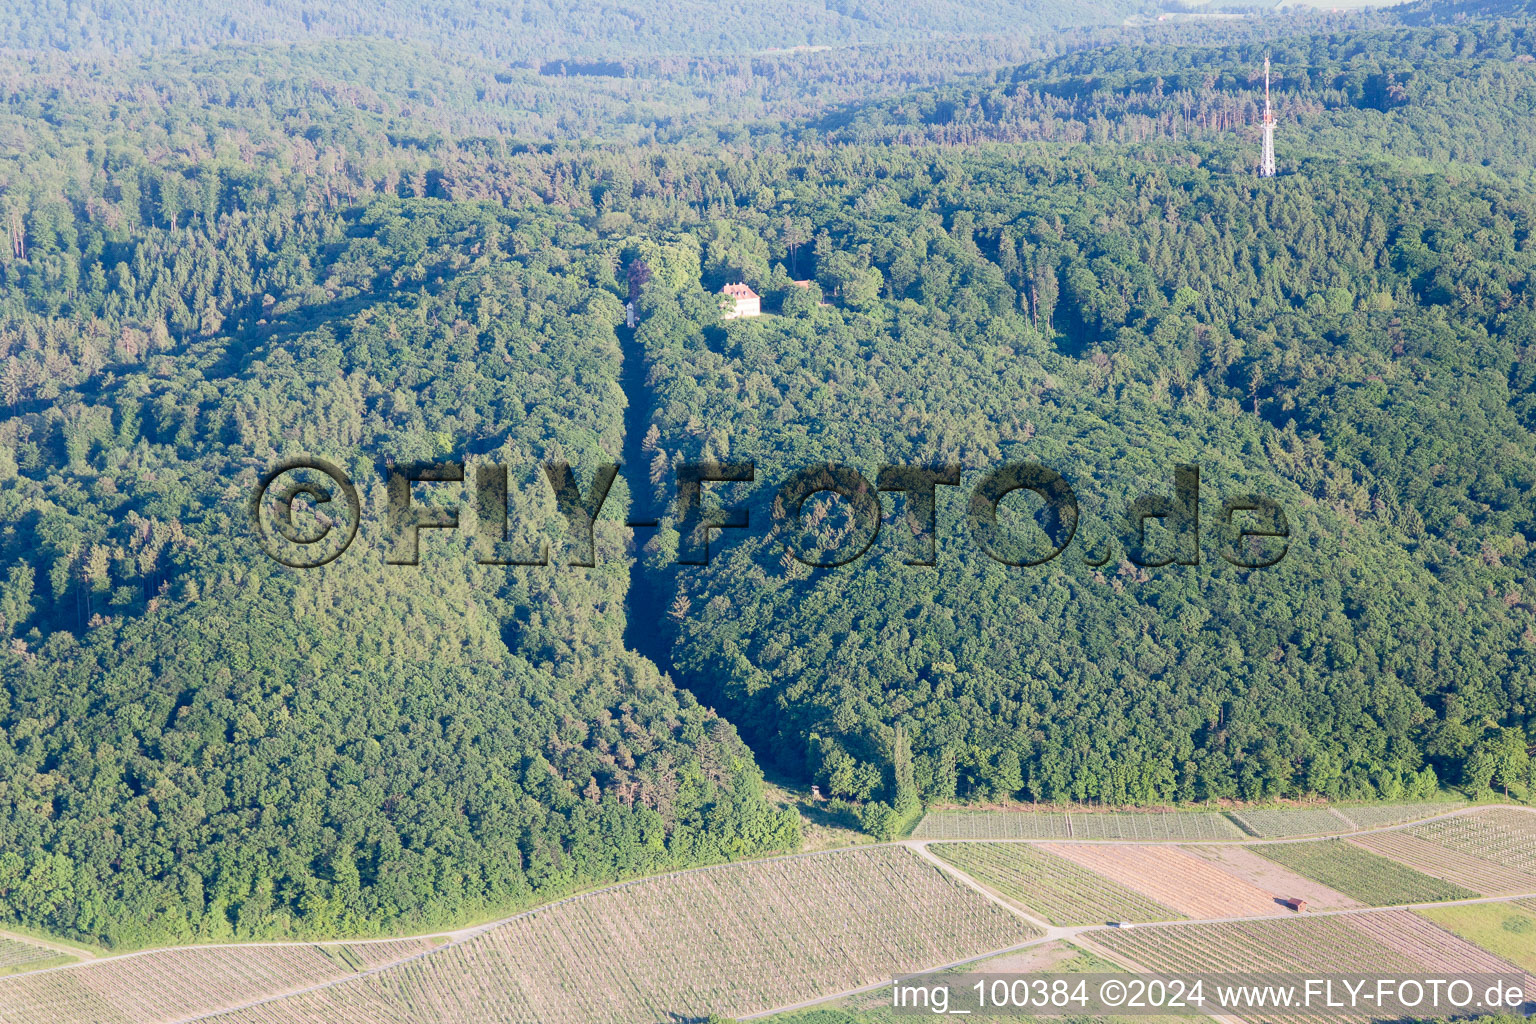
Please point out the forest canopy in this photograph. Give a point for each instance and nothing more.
(329, 232)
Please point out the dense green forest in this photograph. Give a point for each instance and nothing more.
(227, 240)
(523, 30)
(1455, 97)
(1327, 370)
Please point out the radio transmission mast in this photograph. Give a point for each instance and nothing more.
(1267, 164)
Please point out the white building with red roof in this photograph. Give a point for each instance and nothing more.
(738, 300)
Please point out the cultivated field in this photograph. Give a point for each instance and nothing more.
(1170, 876)
(1394, 941)
(1148, 826)
(1057, 958)
(1051, 886)
(1282, 822)
(16, 954)
(881, 1013)
(992, 825)
(1368, 877)
(1453, 865)
(1429, 945)
(168, 985)
(1052, 957)
(735, 940)
(1382, 815)
(1265, 874)
(748, 937)
(1153, 825)
(1499, 834)
(1389, 942)
(1504, 929)
(1277, 945)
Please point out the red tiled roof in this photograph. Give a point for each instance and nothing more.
(739, 291)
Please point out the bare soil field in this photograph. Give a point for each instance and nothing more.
(1172, 877)
(1271, 877)
(1035, 960)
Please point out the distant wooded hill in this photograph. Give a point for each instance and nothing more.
(524, 30)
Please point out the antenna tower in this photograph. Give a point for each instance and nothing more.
(1267, 164)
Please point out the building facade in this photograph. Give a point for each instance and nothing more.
(738, 300)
